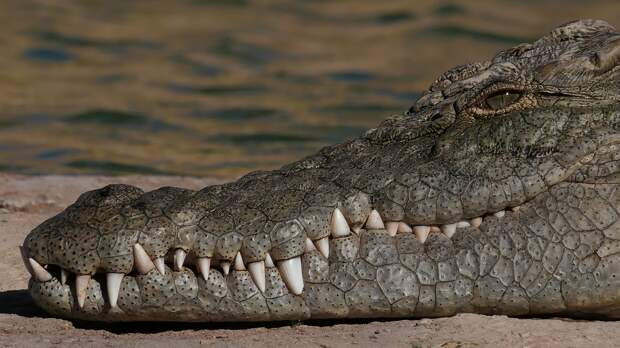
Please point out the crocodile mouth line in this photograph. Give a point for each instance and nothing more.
(290, 271)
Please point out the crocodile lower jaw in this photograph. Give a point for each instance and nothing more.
(82, 290)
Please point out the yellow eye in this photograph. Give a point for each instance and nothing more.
(502, 99)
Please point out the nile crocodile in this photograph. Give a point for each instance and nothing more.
(495, 193)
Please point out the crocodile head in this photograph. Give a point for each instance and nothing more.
(495, 193)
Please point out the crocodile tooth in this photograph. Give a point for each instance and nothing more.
(113, 285)
(323, 246)
(141, 259)
(404, 228)
(225, 267)
(499, 214)
(203, 264)
(515, 209)
(160, 264)
(25, 260)
(339, 225)
(40, 273)
(269, 261)
(476, 222)
(421, 232)
(239, 266)
(179, 259)
(435, 228)
(64, 274)
(257, 272)
(448, 230)
(309, 246)
(392, 228)
(290, 270)
(356, 229)
(374, 221)
(81, 284)
(462, 224)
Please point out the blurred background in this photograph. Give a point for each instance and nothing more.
(219, 88)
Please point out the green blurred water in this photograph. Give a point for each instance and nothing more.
(220, 88)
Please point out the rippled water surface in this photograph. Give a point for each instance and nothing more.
(224, 87)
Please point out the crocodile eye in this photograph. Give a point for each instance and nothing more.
(502, 99)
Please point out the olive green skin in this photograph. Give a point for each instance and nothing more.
(536, 127)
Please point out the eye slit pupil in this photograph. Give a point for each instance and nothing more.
(502, 99)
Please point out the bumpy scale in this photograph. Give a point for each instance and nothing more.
(495, 193)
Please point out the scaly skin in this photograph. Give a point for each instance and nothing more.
(528, 141)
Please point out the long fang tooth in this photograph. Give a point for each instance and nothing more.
(392, 228)
(160, 264)
(404, 228)
(81, 284)
(374, 221)
(239, 266)
(25, 260)
(435, 228)
(203, 264)
(141, 259)
(323, 246)
(309, 246)
(476, 222)
(290, 270)
(269, 261)
(113, 285)
(225, 267)
(40, 273)
(462, 224)
(179, 259)
(448, 230)
(339, 225)
(63, 276)
(421, 232)
(499, 214)
(257, 272)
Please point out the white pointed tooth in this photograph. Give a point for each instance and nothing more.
(499, 214)
(81, 284)
(64, 274)
(515, 209)
(204, 264)
(435, 228)
(25, 260)
(269, 261)
(239, 266)
(113, 285)
(374, 221)
(309, 246)
(339, 225)
(392, 228)
(142, 261)
(323, 246)
(462, 224)
(40, 273)
(257, 272)
(421, 232)
(448, 230)
(179, 259)
(476, 222)
(290, 270)
(404, 228)
(225, 267)
(160, 264)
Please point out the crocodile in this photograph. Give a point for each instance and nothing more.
(496, 193)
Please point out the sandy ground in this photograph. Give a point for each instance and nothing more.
(25, 201)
